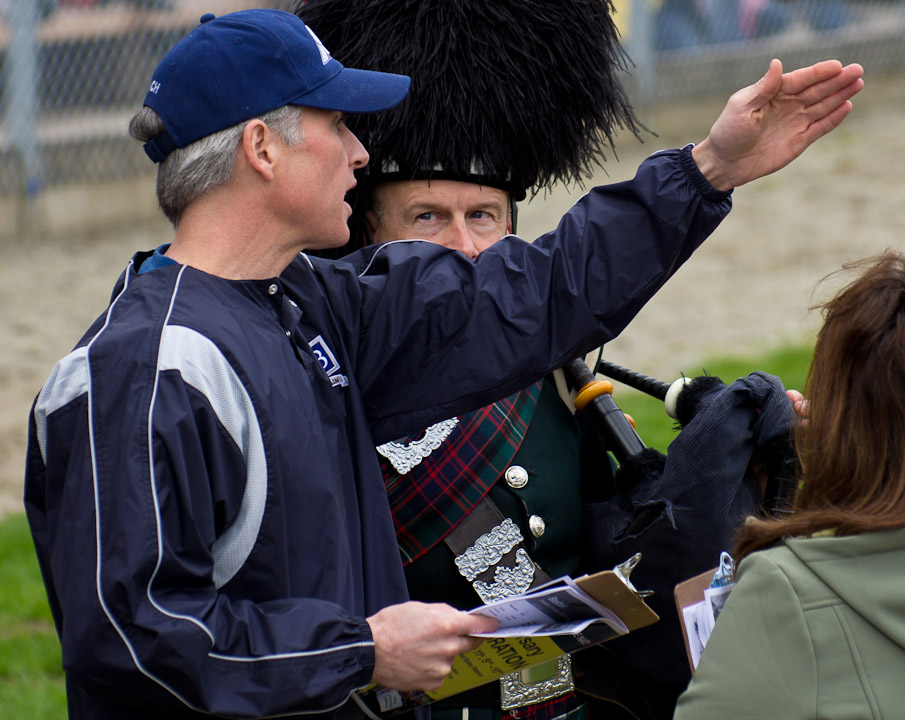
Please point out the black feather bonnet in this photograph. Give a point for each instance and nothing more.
(516, 94)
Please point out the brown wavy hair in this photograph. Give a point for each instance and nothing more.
(852, 448)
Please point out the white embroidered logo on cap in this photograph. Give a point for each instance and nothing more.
(155, 86)
(325, 54)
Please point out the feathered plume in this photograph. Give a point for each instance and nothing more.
(519, 94)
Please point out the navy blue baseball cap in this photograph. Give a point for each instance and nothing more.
(244, 64)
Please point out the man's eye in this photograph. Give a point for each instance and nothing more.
(426, 217)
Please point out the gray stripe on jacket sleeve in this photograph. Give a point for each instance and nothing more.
(204, 367)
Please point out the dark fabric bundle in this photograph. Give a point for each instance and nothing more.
(683, 510)
(517, 94)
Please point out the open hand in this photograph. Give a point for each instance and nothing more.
(767, 125)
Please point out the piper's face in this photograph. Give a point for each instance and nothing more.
(458, 215)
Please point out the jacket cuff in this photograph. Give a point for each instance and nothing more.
(710, 193)
(368, 656)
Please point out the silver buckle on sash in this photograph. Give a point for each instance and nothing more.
(507, 581)
(518, 689)
(486, 552)
(535, 684)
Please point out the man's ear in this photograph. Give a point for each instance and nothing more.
(259, 147)
(373, 223)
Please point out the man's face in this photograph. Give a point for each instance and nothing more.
(458, 215)
(319, 174)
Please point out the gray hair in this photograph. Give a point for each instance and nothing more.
(188, 173)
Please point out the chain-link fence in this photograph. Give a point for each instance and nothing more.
(684, 48)
(73, 71)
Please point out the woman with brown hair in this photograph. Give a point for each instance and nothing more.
(815, 627)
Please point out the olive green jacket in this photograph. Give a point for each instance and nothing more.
(815, 628)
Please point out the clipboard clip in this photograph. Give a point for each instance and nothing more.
(725, 573)
(624, 569)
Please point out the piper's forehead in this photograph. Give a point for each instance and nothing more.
(402, 193)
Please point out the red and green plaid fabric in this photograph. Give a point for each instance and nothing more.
(567, 707)
(432, 498)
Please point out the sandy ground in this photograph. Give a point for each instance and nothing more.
(746, 290)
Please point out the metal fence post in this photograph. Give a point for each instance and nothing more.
(642, 50)
(22, 97)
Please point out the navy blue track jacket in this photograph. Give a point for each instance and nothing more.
(201, 481)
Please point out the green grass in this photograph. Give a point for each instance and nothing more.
(31, 679)
(657, 429)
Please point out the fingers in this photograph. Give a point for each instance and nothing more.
(468, 643)
(799, 403)
(801, 79)
(844, 84)
(416, 643)
(820, 88)
(824, 93)
(824, 105)
(828, 113)
(465, 626)
(827, 123)
(482, 624)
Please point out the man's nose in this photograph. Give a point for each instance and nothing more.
(358, 156)
(459, 238)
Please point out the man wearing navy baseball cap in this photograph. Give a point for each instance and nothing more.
(201, 484)
(210, 520)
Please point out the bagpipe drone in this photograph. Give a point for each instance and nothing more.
(732, 458)
(775, 463)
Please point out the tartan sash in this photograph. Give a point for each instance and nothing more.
(429, 500)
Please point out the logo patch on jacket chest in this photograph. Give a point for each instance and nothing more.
(328, 361)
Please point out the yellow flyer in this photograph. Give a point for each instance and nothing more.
(494, 658)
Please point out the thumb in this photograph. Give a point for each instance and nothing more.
(769, 85)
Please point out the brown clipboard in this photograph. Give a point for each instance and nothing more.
(687, 593)
(610, 590)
